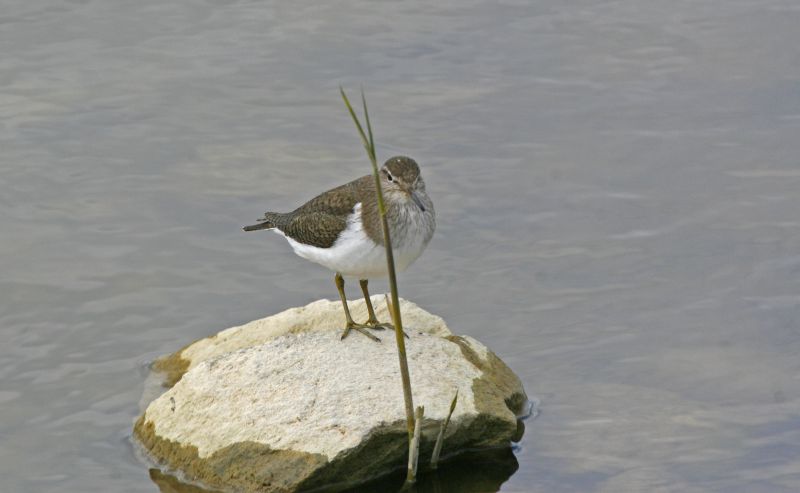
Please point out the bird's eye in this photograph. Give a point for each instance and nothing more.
(389, 176)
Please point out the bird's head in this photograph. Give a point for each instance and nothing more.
(400, 180)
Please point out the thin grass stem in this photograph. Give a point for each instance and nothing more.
(437, 449)
(413, 456)
(369, 145)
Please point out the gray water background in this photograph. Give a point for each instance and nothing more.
(617, 186)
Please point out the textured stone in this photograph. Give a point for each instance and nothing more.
(282, 404)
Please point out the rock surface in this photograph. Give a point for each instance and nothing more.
(281, 404)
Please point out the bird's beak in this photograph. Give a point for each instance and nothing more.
(417, 201)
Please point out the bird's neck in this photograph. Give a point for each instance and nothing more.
(399, 211)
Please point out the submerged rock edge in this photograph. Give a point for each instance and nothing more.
(255, 467)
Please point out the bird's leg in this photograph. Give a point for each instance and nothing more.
(339, 280)
(372, 321)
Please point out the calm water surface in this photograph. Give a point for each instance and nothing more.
(617, 183)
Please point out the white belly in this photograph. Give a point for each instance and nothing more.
(355, 254)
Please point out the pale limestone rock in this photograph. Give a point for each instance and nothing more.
(282, 404)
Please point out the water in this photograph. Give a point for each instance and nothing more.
(617, 185)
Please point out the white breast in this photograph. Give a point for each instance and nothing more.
(355, 254)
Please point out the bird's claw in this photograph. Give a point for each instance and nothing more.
(360, 328)
(375, 325)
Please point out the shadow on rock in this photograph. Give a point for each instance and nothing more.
(471, 472)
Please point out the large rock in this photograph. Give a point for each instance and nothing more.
(282, 404)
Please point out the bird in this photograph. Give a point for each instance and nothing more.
(341, 229)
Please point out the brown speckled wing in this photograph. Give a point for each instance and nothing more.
(339, 200)
(319, 221)
(315, 228)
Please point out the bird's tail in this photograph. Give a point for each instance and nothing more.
(269, 221)
(266, 224)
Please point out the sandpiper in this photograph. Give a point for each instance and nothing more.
(341, 229)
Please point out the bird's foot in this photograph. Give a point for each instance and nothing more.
(362, 328)
(373, 323)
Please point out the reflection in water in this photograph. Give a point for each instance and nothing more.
(472, 472)
(170, 484)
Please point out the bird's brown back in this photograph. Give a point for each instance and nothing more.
(319, 221)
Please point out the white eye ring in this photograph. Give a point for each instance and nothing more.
(389, 176)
